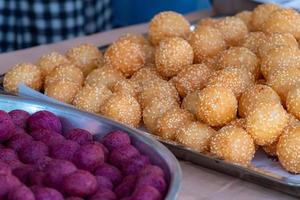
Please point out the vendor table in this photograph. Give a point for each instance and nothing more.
(198, 183)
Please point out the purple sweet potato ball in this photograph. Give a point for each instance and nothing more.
(105, 150)
(42, 163)
(44, 120)
(56, 170)
(19, 117)
(74, 198)
(103, 182)
(151, 170)
(126, 187)
(49, 137)
(4, 168)
(89, 156)
(23, 172)
(7, 126)
(33, 151)
(110, 172)
(45, 193)
(115, 139)
(104, 194)
(7, 183)
(7, 155)
(123, 154)
(19, 130)
(135, 164)
(79, 135)
(18, 141)
(155, 181)
(13, 164)
(21, 192)
(36, 178)
(146, 193)
(64, 150)
(80, 183)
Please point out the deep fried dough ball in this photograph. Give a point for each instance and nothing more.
(253, 41)
(191, 78)
(240, 122)
(261, 13)
(86, 57)
(233, 30)
(63, 90)
(283, 21)
(190, 102)
(293, 101)
(206, 22)
(168, 24)
(171, 121)
(206, 43)
(66, 73)
(26, 73)
(266, 122)
(90, 98)
(246, 17)
(122, 108)
(233, 144)
(217, 105)
(105, 75)
(50, 61)
(125, 86)
(195, 135)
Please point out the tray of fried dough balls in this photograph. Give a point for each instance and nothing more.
(225, 95)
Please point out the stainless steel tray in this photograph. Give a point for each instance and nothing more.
(99, 126)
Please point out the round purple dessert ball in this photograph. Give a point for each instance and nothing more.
(23, 172)
(116, 139)
(64, 150)
(103, 182)
(7, 126)
(105, 150)
(123, 154)
(110, 172)
(7, 155)
(14, 164)
(19, 130)
(146, 193)
(49, 137)
(42, 163)
(126, 187)
(18, 141)
(33, 151)
(155, 181)
(44, 120)
(74, 198)
(89, 156)
(21, 192)
(45, 193)
(19, 117)
(4, 168)
(79, 135)
(104, 194)
(135, 164)
(36, 178)
(7, 183)
(151, 170)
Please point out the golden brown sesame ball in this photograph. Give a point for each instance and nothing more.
(195, 135)
(266, 122)
(256, 95)
(271, 149)
(293, 101)
(233, 30)
(283, 21)
(206, 42)
(282, 80)
(217, 105)
(172, 55)
(261, 13)
(62, 90)
(65, 72)
(105, 75)
(190, 102)
(90, 98)
(288, 150)
(171, 121)
(50, 61)
(206, 22)
(167, 24)
(125, 86)
(246, 17)
(233, 144)
(25, 73)
(122, 108)
(235, 79)
(86, 57)
(253, 41)
(240, 122)
(191, 78)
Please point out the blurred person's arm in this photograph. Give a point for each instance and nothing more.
(229, 7)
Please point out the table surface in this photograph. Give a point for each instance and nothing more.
(198, 183)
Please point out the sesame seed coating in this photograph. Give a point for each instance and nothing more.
(125, 86)
(239, 122)
(190, 102)
(246, 17)
(271, 149)
(261, 13)
(253, 41)
(206, 22)
(293, 101)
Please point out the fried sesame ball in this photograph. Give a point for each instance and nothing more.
(90, 98)
(270, 149)
(240, 122)
(126, 55)
(172, 55)
(277, 40)
(235, 79)
(63, 90)
(206, 22)
(217, 105)
(261, 13)
(239, 57)
(50, 61)
(293, 101)
(233, 30)
(122, 108)
(246, 17)
(167, 24)
(105, 75)
(266, 122)
(190, 102)
(191, 78)
(233, 144)
(282, 80)
(195, 135)
(171, 121)
(154, 111)
(86, 57)
(65, 72)
(288, 150)
(125, 86)
(206, 42)
(256, 95)
(283, 21)
(253, 41)
(25, 73)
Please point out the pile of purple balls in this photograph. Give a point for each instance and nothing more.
(39, 162)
